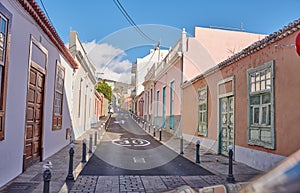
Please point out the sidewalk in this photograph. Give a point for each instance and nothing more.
(32, 179)
(217, 164)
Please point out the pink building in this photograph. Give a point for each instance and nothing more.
(189, 57)
(249, 101)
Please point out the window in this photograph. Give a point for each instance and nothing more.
(261, 107)
(151, 100)
(79, 97)
(58, 97)
(157, 106)
(202, 111)
(5, 17)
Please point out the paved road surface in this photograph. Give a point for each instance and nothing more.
(130, 160)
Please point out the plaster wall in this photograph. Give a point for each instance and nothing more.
(23, 28)
(286, 96)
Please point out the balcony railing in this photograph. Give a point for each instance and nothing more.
(159, 67)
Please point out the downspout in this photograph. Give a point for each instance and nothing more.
(183, 50)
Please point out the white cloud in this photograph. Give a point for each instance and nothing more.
(109, 60)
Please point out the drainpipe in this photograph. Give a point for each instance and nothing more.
(183, 50)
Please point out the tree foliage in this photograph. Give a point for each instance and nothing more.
(104, 88)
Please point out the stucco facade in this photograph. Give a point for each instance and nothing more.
(189, 57)
(34, 55)
(144, 64)
(275, 63)
(83, 88)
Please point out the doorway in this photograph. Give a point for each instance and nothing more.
(34, 117)
(226, 122)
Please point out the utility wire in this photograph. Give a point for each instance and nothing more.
(131, 21)
(46, 12)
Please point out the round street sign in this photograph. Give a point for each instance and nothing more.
(298, 43)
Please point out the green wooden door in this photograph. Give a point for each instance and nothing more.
(226, 124)
(164, 108)
(171, 105)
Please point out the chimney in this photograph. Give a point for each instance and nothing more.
(183, 40)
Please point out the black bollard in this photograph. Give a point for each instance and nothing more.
(91, 143)
(153, 131)
(148, 127)
(181, 145)
(47, 177)
(197, 151)
(160, 133)
(83, 151)
(70, 176)
(230, 177)
(95, 140)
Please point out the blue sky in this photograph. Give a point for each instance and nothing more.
(100, 21)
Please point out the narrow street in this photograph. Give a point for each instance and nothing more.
(129, 160)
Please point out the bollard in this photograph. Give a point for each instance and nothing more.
(95, 140)
(99, 134)
(181, 144)
(153, 131)
(47, 176)
(91, 143)
(197, 151)
(230, 177)
(70, 176)
(160, 131)
(149, 126)
(83, 151)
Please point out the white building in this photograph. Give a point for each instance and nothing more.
(144, 64)
(83, 88)
(36, 71)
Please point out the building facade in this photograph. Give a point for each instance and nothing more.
(189, 57)
(99, 97)
(83, 88)
(34, 62)
(249, 101)
(144, 64)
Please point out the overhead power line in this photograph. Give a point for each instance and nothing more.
(46, 12)
(131, 21)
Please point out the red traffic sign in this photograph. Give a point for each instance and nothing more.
(298, 43)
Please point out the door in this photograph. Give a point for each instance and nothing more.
(164, 108)
(34, 118)
(226, 124)
(171, 105)
(157, 106)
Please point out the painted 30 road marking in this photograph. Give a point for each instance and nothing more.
(131, 142)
